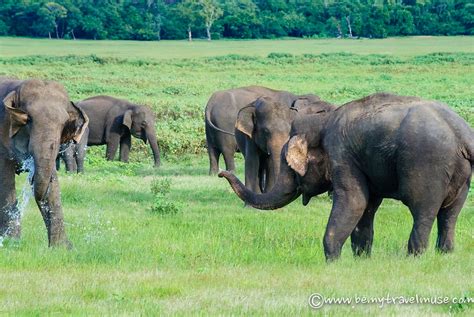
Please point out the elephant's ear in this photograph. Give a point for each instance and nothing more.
(300, 102)
(76, 124)
(246, 120)
(18, 117)
(127, 119)
(297, 154)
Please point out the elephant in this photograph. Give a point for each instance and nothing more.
(382, 146)
(36, 116)
(221, 115)
(261, 130)
(73, 154)
(113, 121)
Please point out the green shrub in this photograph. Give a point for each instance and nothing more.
(160, 188)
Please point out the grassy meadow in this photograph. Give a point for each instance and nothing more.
(197, 250)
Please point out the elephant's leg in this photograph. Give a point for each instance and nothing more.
(52, 213)
(80, 157)
(213, 159)
(69, 155)
(424, 215)
(213, 153)
(228, 146)
(112, 146)
(229, 160)
(125, 145)
(447, 222)
(363, 234)
(9, 213)
(351, 198)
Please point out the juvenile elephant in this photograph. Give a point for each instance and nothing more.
(73, 154)
(261, 130)
(381, 146)
(36, 116)
(113, 121)
(221, 115)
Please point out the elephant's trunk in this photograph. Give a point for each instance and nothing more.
(283, 193)
(273, 169)
(151, 135)
(46, 189)
(44, 166)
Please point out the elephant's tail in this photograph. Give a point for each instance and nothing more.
(209, 121)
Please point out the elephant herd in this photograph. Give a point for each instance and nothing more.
(382, 146)
(38, 120)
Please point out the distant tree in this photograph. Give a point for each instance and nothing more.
(188, 11)
(51, 13)
(210, 11)
(401, 21)
(240, 19)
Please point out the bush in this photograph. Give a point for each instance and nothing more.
(160, 189)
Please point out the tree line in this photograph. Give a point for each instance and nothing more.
(178, 19)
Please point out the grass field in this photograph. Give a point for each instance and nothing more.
(213, 256)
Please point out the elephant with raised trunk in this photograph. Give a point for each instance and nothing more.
(36, 116)
(221, 115)
(383, 146)
(113, 121)
(261, 130)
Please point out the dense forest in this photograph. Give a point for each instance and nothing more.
(178, 19)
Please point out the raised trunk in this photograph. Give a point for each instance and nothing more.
(283, 193)
(151, 135)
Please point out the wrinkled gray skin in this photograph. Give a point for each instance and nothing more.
(381, 146)
(35, 118)
(261, 130)
(73, 154)
(113, 121)
(221, 115)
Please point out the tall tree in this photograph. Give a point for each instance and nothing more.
(188, 11)
(210, 12)
(52, 12)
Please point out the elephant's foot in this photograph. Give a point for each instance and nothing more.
(63, 243)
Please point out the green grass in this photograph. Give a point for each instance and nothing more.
(214, 256)
(404, 46)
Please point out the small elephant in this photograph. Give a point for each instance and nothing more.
(221, 115)
(261, 130)
(382, 146)
(113, 121)
(73, 154)
(36, 116)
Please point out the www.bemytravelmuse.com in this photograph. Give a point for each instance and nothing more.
(317, 300)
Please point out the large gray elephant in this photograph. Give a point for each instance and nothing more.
(35, 118)
(261, 130)
(221, 115)
(381, 146)
(113, 121)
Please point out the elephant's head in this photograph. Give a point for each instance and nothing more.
(41, 117)
(140, 120)
(304, 167)
(268, 124)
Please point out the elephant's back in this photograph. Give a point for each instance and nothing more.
(97, 109)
